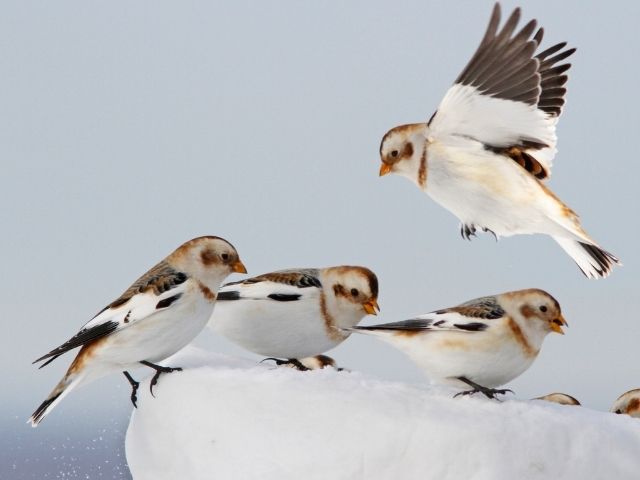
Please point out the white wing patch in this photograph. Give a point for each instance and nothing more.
(465, 112)
(139, 307)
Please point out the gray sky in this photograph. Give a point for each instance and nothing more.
(130, 127)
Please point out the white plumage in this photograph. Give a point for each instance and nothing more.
(487, 149)
(488, 341)
(296, 313)
(154, 318)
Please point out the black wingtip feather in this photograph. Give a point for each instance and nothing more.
(42, 409)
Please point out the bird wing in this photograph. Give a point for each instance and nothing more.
(281, 286)
(158, 289)
(507, 97)
(472, 316)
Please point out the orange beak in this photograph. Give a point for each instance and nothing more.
(371, 307)
(239, 267)
(556, 325)
(384, 169)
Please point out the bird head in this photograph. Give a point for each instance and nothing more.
(402, 149)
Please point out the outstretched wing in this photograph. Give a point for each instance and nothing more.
(472, 316)
(281, 286)
(158, 289)
(507, 97)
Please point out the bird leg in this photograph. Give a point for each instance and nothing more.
(134, 388)
(293, 362)
(488, 392)
(467, 231)
(159, 370)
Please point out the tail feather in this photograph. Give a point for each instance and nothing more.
(62, 389)
(591, 259)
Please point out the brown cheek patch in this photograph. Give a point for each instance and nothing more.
(633, 408)
(208, 257)
(528, 312)
(339, 291)
(408, 150)
(206, 291)
(528, 350)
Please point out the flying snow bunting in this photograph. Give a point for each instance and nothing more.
(487, 150)
(154, 318)
(482, 344)
(298, 313)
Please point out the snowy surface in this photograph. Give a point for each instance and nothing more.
(230, 418)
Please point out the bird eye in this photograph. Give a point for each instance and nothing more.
(354, 292)
(543, 308)
(224, 256)
(618, 411)
(394, 153)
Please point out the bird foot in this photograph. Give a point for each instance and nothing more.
(467, 231)
(490, 393)
(291, 362)
(159, 371)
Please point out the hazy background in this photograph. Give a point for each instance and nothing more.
(127, 128)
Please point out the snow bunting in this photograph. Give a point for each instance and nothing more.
(292, 314)
(560, 398)
(485, 153)
(628, 403)
(154, 318)
(483, 343)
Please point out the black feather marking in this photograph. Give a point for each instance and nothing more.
(284, 297)
(232, 295)
(83, 337)
(438, 323)
(166, 302)
(604, 259)
(159, 279)
(41, 410)
(412, 324)
(471, 327)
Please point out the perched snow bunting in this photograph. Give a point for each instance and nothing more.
(561, 398)
(483, 343)
(628, 403)
(154, 318)
(297, 313)
(485, 153)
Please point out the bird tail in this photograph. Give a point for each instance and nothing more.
(591, 259)
(69, 381)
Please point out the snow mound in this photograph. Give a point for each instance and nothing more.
(231, 419)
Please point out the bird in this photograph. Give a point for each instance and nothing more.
(486, 152)
(559, 398)
(288, 315)
(483, 343)
(160, 313)
(628, 403)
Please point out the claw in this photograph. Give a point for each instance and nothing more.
(159, 370)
